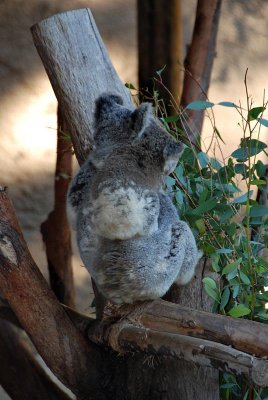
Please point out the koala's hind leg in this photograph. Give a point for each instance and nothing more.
(183, 246)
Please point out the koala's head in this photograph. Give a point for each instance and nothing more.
(117, 127)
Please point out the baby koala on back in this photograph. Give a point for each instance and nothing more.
(128, 231)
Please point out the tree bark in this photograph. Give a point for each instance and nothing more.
(159, 46)
(56, 230)
(198, 65)
(73, 360)
(79, 70)
(162, 329)
(21, 375)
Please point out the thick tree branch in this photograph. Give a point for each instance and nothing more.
(74, 361)
(162, 328)
(56, 230)
(78, 74)
(21, 375)
(198, 64)
(125, 337)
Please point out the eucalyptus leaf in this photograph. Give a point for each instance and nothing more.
(239, 311)
(205, 207)
(242, 199)
(209, 282)
(263, 122)
(231, 266)
(225, 298)
(254, 113)
(227, 104)
(258, 210)
(199, 105)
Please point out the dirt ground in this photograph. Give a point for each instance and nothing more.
(28, 105)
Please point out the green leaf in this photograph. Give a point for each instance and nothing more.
(130, 86)
(203, 196)
(243, 198)
(254, 113)
(215, 262)
(199, 105)
(228, 385)
(218, 134)
(223, 250)
(231, 267)
(227, 104)
(258, 211)
(240, 168)
(244, 278)
(260, 169)
(171, 118)
(205, 207)
(232, 274)
(236, 289)
(215, 163)
(249, 148)
(239, 311)
(209, 282)
(212, 293)
(263, 122)
(257, 182)
(203, 159)
(253, 143)
(200, 223)
(262, 315)
(225, 298)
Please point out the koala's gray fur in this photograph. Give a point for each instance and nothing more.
(128, 231)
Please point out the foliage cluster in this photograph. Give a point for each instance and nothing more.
(231, 225)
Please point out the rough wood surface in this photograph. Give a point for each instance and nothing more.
(198, 64)
(21, 375)
(79, 70)
(126, 337)
(74, 361)
(55, 229)
(160, 46)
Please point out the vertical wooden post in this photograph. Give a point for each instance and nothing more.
(159, 45)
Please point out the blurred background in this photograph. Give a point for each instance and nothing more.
(28, 105)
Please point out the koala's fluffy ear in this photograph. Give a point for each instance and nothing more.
(141, 118)
(105, 102)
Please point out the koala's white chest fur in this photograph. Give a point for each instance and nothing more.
(125, 212)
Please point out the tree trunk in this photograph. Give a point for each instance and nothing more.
(56, 230)
(80, 70)
(198, 65)
(159, 46)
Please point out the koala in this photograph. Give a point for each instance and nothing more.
(129, 234)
